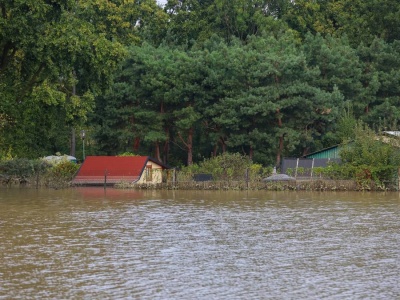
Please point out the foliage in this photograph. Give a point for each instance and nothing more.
(6, 154)
(215, 93)
(265, 78)
(345, 127)
(367, 159)
(22, 169)
(368, 149)
(229, 166)
(360, 20)
(55, 57)
(127, 154)
(61, 173)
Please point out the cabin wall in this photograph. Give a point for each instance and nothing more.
(152, 173)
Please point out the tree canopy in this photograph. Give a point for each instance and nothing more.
(265, 78)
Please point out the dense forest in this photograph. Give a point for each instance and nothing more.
(195, 78)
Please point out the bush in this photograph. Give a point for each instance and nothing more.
(22, 170)
(229, 166)
(370, 158)
(61, 174)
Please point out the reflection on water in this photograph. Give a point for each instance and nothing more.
(110, 244)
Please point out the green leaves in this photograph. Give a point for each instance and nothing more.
(264, 77)
(370, 157)
(266, 97)
(360, 20)
(54, 54)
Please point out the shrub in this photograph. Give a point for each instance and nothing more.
(229, 166)
(60, 174)
(22, 169)
(370, 158)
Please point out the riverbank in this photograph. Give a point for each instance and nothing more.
(295, 185)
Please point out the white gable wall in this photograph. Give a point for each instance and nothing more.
(152, 173)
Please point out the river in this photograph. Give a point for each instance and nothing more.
(91, 243)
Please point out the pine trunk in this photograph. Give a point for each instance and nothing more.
(190, 147)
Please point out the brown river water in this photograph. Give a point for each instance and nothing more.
(91, 243)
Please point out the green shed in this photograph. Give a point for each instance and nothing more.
(331, 152)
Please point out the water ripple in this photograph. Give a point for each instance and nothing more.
(200, 246)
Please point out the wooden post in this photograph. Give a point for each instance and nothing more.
(105, 178)
(312, 168)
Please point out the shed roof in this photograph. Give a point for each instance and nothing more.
(112, 169)
(330, 152)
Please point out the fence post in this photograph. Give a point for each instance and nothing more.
(312, 168)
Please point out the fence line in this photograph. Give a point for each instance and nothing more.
(176, 179)
(311, 185)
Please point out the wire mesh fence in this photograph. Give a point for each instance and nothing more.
(177, 179)
(303, 179)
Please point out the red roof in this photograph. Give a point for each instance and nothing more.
(112, 169)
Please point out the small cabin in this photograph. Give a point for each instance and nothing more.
(99, 170)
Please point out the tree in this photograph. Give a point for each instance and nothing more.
(197, 20)
(51, 54)
(338, 67)
(134, 109)
(360, 20)
(270, 100)
(379, 99)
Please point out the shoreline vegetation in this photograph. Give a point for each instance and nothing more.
(40, 174)
(295, 185)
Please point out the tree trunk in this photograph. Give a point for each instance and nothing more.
(223, 144)
(306, 150)
(214, 152)
(157, 151)
(190, 147)
(166, 147)
(136, 145)
(279, 152)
